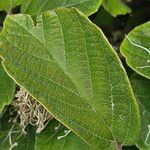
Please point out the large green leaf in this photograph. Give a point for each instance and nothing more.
(8, 4)
(55, 137)
(135, 49)
(141, 87)
(7, 88)
(66, 63)
(34, 7)
(11, 136)
(116, 7)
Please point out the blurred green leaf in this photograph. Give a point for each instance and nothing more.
(7, 5)
(35, 7)
(141, 87)
(1, 28)
(7, 88)
(116, 7)
(67, 64)
(136, 49)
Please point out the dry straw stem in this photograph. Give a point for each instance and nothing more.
(30, 111)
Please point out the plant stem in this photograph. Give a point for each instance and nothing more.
(118, 147)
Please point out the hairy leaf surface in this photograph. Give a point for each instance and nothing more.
(116, 7)
(7, 88)
(136, 49)
(141, 87)
(34, 7)
(67, 64)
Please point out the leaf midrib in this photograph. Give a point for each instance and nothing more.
(93, 109)
(70, 78)
(79, 108)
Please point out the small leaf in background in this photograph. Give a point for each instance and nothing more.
(116, 7)
(136, 49)
(66, 63)
(38, 6)
(11, 136)
(7, 88)
(141, 87)
(1, 28)
(7, 5)
(55, 137)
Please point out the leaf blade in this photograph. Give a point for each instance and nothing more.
(38, 6)
(116, 7)
(75, 83)
(8, 4)
(136, 51)
(141, 88)
(7, 88)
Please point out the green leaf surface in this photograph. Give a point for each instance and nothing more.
(8, 4)
(136, 50)
(34, 7)
(116, 7)
(66, 63)
(55, 137)
(141, 87)
(7, 88)
(11, 136)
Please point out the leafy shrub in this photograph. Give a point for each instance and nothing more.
(63, 85)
